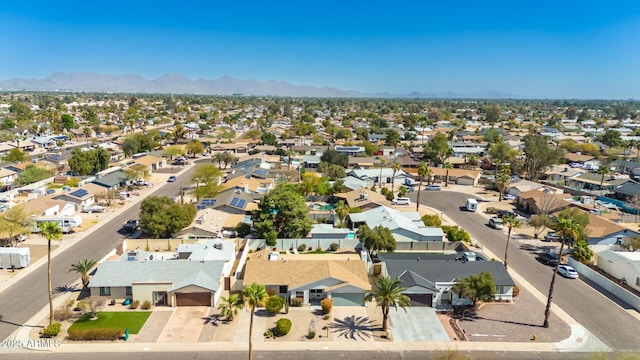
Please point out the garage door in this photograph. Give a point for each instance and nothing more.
(193, 299)
(420, 299)
(347, 299)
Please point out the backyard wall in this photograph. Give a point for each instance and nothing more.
(286, 244)
(426, 246)
(157, 244)
(606, 284)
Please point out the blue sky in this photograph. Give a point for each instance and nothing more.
(555, 49)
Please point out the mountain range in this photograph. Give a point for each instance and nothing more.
(226, 85)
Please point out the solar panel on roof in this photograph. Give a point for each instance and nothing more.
(201, 207)
(237, 202)
(80, 193)
(261, 172)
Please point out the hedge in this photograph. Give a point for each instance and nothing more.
(96, 334)
(52, 329)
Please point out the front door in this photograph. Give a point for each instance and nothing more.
(160, 298)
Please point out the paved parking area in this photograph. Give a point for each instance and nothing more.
(417, 324)
(185, 324)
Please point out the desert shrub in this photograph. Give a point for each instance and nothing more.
(491, 210)
(52, 329)
(96, 334)
(516, 290)
(283, 326)
(326, 305)
(269, 334)
(334, 247)
(271, 291)
(432, 220)
(63, 314)
(146, 305)
(295, 302)
(72, 182)
(302, 247)
(134, 304)
(311, 334)
(275, 304)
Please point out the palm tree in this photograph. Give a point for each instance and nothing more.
(83, 267)
(512, 223)
(229, 306)
(448, 166)
(254, 294)
(388, 293)
(603, 170)
(51, 231)
(342, 210)
(396, 167)
(502, 181)
(566, 228)
(423, 169)
(383, 161)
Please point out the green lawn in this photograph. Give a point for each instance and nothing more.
(124, 320)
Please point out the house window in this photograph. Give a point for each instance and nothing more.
(315, 291)
(105, 291)
(300, 295)
(499, 289)
(284, 289)
(128, 291)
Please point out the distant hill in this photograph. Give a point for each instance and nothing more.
(226, 85)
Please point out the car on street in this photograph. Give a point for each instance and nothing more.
(548, 258)
(131, 226)
(171, 178)
(567, 271)
(501, 213)
(552, 236)
(496, 223)
(508, 197)
(141, 183)
(433, 187)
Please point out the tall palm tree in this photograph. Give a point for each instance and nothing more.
(342, 210)
(254, 294)
(50, 231)
(229, 306)
(396, 167)
(388, 293)
(383, 161)
(566, 228)
(502, 181)
(423, 169)
(512, 223)
(448, 166)
(83, 267)
(604, 171)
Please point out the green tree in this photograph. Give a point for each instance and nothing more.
(67, 121)
(492, 113)
(476, 288)
(284, 210)
(502, 181)
(89, 162)
(83, 267)
(209, 175)
(456, 233)
(274, 304)
(172, 151)
(178, 133)
(604, 171)
(539, 156)
(395, 167)
(437, 149)
(582, 252)
(15, 155)
(137, 172)
(539, 223)
(50, 231)
(611, 138)
(162, 218)
(218, 157)
(332, 171)
(388, 293)
(377, 239)
(502, 153)
(331, 156)
(512, 222)
(194, 147)
(269, 139)
(392, 138)
(253, 295)
(432, 220)
(566, 228)
(229, 306)
(15, 221)
(448, 166)
(33, 173)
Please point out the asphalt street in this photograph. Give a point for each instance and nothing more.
(20, 301)
(597, 310)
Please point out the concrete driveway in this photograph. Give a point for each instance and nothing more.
(417, 324)
(185, 325)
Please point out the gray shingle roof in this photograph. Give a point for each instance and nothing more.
(181, 273)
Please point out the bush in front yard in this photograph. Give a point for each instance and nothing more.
(326, 305)
(302, 247)
(134, 304)
(283, 326)
(275, 304)
(52, 330)
(295, 302)
(96, 334)
(146, 305)
(334, 247)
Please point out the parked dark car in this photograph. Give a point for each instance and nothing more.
(502, 213)
(131, 226)
(552, 236)
(548, 259)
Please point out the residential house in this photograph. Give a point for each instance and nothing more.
(621, 265)
(373, 175)
(595, 183)
(605, 232)
(82, 196)
(350, 150)
(46, 206)
(309, 150)
(112, 180)
(578, 158)
(363, 198)
(562, 174)
(538, 201)
(7, 176)
(518, 186)
(404, 225)
(152, 163)
(234, 148)
(147, 276)
(234, 201)
(250, 185)
(343, 278)
(467, 177)
(429, 278)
